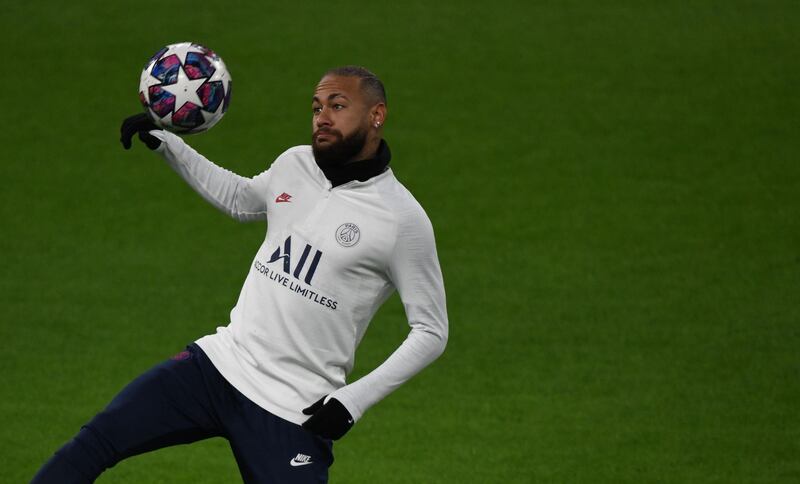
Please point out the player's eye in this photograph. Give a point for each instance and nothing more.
(316, 109)
(338, 106)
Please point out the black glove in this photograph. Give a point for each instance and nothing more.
(330, 420)
(142, 124)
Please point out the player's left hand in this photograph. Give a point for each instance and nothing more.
(330, 420)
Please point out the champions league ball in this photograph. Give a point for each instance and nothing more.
(185, 88)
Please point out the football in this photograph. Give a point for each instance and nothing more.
(185, 88)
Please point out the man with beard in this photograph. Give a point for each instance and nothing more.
(343, 234)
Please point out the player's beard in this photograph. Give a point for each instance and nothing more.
(341, 151)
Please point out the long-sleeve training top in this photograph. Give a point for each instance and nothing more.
(332, 255)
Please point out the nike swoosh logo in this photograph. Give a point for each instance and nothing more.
(294, 463)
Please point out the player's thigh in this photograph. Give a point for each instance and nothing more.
(269, 449)
(167, 405)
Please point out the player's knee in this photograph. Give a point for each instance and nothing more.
(60, 470)
(90, 452)
(79, 461)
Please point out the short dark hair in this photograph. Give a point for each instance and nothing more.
(369, 82)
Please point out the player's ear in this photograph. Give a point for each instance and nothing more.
(377, 115)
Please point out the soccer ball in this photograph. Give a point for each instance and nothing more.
(185, 88)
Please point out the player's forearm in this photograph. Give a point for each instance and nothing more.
(222, 188)
(422, 346)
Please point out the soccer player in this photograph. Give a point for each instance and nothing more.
(342, 235)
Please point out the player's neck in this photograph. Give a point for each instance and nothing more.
(369, 151)
(360, 169)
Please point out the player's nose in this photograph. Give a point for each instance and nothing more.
(322, 119)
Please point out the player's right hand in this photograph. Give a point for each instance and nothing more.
(142, 124)
(330, 420)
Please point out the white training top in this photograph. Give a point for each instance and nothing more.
(331, 257)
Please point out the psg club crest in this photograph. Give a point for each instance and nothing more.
(348, 235)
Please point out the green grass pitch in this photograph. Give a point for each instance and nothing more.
(614, 185)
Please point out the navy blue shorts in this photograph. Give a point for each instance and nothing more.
(183, 400)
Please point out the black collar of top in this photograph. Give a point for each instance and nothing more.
(361, 170)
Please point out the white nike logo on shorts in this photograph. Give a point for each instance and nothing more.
(300, 460)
